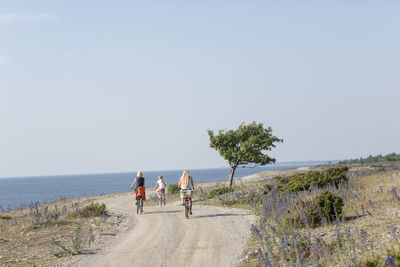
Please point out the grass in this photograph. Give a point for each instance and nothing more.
(43, 234)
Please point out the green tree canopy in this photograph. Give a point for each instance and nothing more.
(244, 146)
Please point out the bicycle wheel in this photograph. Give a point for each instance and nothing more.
(138, 205)
(187, 209)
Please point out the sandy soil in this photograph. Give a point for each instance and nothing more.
(162, 236)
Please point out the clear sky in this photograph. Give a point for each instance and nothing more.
(113, 86)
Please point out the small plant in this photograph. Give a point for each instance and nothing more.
(93, 210)
(392, 259)
(395, 255)
(219, 191)
(173, 189)
(79, 241)
(42, 216)
(5, 217)
(326, 207)
(375, 261)
(265, 189)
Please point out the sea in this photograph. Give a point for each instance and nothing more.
(21, 192)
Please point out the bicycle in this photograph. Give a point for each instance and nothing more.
(187, 196)
(140, 198)
(161, 197)
(139, 205)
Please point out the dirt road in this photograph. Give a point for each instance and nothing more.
(212, 236)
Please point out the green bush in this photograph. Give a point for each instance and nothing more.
(380, 261)
(219, 191)
(92, 210)
(372, 262)
(173, 188)
(326, 205)
(5, 217)
(395, 254)
(331, 205)
(265, 189)
(303, 181)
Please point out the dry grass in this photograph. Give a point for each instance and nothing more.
(27, 239)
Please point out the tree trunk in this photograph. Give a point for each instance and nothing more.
(231, 174)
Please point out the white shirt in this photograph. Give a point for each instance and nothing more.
(160, 184)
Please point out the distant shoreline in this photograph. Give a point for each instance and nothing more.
(17, 192)
(285, 163)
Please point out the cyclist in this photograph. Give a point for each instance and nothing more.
(161, 189)
(138, 184)
(186, 185)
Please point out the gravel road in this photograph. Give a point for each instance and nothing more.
(162, 236)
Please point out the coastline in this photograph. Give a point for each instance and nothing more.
(23, 192)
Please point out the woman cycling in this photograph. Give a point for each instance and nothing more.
(186, 185)
(138, 183)
(160, 185)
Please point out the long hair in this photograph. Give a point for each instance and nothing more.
(161, 179)
(185, 179)
(139, 174)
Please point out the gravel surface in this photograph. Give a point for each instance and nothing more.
(162, 236)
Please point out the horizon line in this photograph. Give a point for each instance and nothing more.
(116, 172)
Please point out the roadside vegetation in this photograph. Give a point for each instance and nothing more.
(328, 216)
(354, 222)
(43, 234)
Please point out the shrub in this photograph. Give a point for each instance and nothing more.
(93, 210)
(265, 189)
(372, 262)
(173, 188)
(327, 205)
(5, 217)
(395, 255)
(331, 205)
(392, 256)
(303, 181)
(219, 191)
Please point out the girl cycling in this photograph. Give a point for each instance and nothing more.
(138, 183)
(187, 186)
(160, 185)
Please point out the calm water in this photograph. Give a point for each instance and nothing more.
(22, 191)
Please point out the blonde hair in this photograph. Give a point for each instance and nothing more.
(139, 174)
(162, 179)
(184, 180)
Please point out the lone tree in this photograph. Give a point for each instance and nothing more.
(245, 146)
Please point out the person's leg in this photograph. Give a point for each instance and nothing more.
(183, 198)
(159, 197)
(163, 195)
(190, 206)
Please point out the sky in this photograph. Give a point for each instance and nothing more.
(116, 86)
